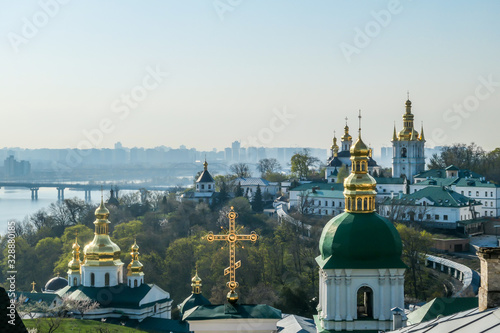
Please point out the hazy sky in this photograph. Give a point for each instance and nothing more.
(269, 73)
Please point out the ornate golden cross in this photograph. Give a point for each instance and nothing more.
(33, 287)
(232, 237)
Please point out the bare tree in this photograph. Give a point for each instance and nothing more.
(241, 170)
(80, 306)
(268, 165)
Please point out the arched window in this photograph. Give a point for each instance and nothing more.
(92, 279)
(365, 204)
(362, 167)
(359, 204)
(106, 279)
(365, 302)
(135, 283)
(129, 283)
(348, 203)
(403, 152)
(74, 281)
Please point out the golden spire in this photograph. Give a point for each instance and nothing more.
(102, 251)
(135, 267)
(33, 287)
(347, 136)
(74, 264)
(232, 237)
(196, 283)
(334, 148)
(359, 187)
(394, 135)
(205, 164)
(422, 132)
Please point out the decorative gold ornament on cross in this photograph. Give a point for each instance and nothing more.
(233, 238)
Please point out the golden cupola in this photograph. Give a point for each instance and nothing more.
(74, 264)
(102, 251)
(196, 283)
(347, 136)
(408, 133)
(135, 267)
(334, 148)
(359, 186)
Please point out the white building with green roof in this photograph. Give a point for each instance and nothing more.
(436, 206)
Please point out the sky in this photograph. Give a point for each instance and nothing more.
(281, 73)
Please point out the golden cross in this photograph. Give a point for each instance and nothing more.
(232, 237)
(33, 286)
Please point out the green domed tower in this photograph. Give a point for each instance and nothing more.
(361, 272)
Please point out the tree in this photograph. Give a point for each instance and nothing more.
(415, 246)
(268, 166)
(80, 305)
(241, 170)
(239, 190)
(257, 204)
(471, 157)
(343, 174)
(302, 163)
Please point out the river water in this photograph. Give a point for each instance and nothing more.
(16, 203)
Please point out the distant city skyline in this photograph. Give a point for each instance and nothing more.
(280, 74)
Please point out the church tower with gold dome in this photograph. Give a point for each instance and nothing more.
(408, 156)
(135, 275)
(361, 274)
(102, 266)
(74, 274)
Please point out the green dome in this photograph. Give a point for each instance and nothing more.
(360, 240)
(192, 301)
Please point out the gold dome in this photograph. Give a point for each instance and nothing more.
(102, 251)
(135, 267)
(408, 133)
(74, 264)
(359, 186)
(196, 283)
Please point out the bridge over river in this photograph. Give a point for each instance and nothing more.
(87, 187)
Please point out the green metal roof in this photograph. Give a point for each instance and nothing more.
(441, 173)
(320, 186)
(360, 240)
(228, 311)
(438, 195)
(192, 301)
(325, 194)
(387, 180)
(441, 306)
(473, 221)
(120, 296)
(46, 298)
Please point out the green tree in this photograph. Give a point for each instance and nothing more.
(343, 174)
(239, 190)
(415, 246)
(257, 203)
(302, 163)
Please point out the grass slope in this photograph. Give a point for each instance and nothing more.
(78, 325)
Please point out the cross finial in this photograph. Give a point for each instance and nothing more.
(346, 121)
(408, 95)
(33, 287)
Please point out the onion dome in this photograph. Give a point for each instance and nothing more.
(205, 176)
(102, 251)
(74, 264)
(359, 237)
(55, 284)
(196, 298)
(347, 136)
(135, 267)
(408, 133)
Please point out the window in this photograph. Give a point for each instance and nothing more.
(319, 202)
(485, 193)
(106, 279)
(135, 283)
(428, 216)
(470, 193)
(462, 192)
(364, 303)
(74, 281)
(326, 203)
(436, 217)
(385, 190)
(445, 217)
(477, 193)
(420, 216)
(333, 203)
(92, 279)
(202, 187)
(209, 186)
(129, 283)
(491, 194)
